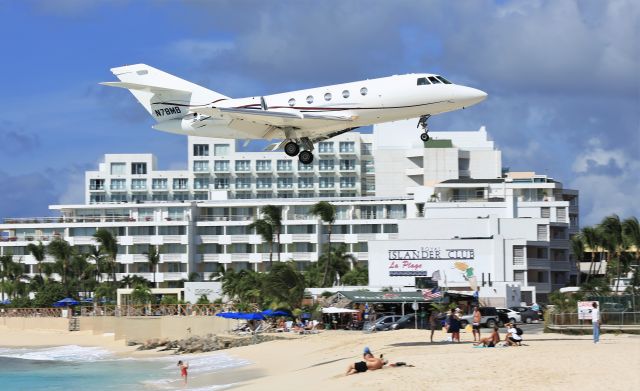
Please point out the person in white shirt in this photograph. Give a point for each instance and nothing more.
(512, 338)
(595, 320)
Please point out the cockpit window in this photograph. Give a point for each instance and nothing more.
(422, 81)
(442, 79)
(434, 80)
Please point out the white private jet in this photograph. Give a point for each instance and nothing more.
(301, 118)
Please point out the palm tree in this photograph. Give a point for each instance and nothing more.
(336, 263)
(577, 248)
(273, 215)
(284, 285)
(359, 275)
(612, 233)
(631, 234)
(98, 258)
(126, 281)
(153, 258)
(109, 247)
(265, 230)
(327, 213)
(38, 251)
(591, 239)
(5, 261)
(61, 251)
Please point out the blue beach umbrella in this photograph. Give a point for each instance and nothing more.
(251, 316)
(228, 315)
(275, 313)
(68, 301)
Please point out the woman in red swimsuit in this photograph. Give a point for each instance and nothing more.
(183, 370)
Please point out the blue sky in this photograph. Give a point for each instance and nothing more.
(562, 78)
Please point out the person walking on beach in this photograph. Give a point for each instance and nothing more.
(477, 317)
(433, 323)
(454, 327)
(183, 370)
(595, 320)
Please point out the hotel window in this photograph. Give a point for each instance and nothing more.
(200, 166)
(118, 184)
(95, 198)
(243, 183)
(180, 196)
(180, 183)
(139, 184)
(305, 167)
(326, 182)
(326, 165)
(348, 182)
(305, 183)
(366, 149)
(347, 146)
(263, 183)
(96, 184)
(243, 165)
(221, 166)
(118, 168)
(325, 147)
(284, 165)
(138, 197)
(160, 197)
(200, 149)
(263, 165)
(138, 168)
(201, 196)
(221, 150)
(201, 183)
(347, 164)
(118, 198)
(368, 166)
(221, 183)
(264, 195)
(159, 184)
(285, 183)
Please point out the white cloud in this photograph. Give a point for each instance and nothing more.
(595, 154)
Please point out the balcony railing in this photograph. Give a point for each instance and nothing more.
(225, 217)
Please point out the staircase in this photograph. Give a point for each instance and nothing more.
(74, 324)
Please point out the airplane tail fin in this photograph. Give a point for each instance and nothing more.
(163, 95)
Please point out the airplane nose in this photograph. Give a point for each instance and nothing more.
(473, 96)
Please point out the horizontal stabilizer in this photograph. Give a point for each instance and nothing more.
(140, 87)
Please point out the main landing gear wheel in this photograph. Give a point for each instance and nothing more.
(422, 123)
(305, 157)
(291, 148)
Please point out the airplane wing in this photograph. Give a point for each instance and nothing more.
(279, 118)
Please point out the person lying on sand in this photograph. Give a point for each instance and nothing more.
(371, 363)
(490, 341)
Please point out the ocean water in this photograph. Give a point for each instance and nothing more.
(75, 368)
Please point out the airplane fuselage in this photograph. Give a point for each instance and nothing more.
(366, 102)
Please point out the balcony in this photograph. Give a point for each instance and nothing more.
(541, 287)
(97, 188)
(209, 238)
(173, 276)
(225, 218)
(173, 257)
(285, 185)
(537, 263)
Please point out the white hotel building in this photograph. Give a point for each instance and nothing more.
(446, 204)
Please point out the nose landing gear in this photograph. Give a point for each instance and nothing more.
(422, 123)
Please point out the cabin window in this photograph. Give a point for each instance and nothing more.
(310, 99)
(345, 94)
(327, 96)
(292, 102)
(422, 81)
(364, 91)
(434, 80)
(442, 79)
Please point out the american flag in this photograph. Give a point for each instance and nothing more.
(434, 293)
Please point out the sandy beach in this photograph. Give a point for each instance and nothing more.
(318, 362)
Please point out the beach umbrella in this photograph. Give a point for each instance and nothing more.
(68, 301)
(228, 315)
(275, 313)
(251, 316)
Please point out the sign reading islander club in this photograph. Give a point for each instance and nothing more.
(398, 262)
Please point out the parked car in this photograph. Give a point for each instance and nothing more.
(490, 318)
(406, 322)
(384, 323)
(513, 316)
(527, 314)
